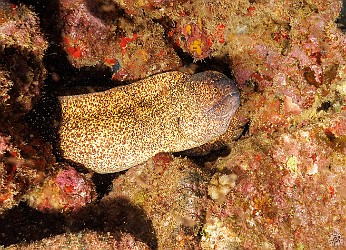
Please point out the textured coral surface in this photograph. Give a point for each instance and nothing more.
(22, 46)
(275, 180)
(86, 240)
(172, 192)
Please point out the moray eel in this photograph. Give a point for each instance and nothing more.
(122, 127)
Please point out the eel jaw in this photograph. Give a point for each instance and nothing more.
(226, 107)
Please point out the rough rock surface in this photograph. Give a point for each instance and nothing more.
(280, 183)
(85, 240)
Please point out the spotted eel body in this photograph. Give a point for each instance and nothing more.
(119, 128)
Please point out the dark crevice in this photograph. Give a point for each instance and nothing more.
(341, 21)
(104, 183)
(22, 224)
(220, 64)
(245, 131)
(200, 160)
(108, 11)
(324, 106)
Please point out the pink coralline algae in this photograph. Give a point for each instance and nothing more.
(66, 190)
(283, 187)
(280, 197)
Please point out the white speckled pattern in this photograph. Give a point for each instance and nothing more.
(119, 128)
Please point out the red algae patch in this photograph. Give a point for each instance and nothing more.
(65, 190)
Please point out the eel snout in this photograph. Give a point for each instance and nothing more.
(228, 100)
(226, 107)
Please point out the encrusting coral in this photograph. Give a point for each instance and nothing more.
(287, 188)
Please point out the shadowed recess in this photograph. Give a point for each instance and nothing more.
(24, 224)
(116, 215)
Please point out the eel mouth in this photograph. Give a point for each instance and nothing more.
(226, 106)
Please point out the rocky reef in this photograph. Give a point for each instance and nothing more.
(275, 180)
(86, 240)
(22, 73)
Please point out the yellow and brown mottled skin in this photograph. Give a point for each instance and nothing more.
(119, 128)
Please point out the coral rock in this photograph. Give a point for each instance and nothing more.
(98, 35)
(86, 240)
(21, 49)
(63, 191)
